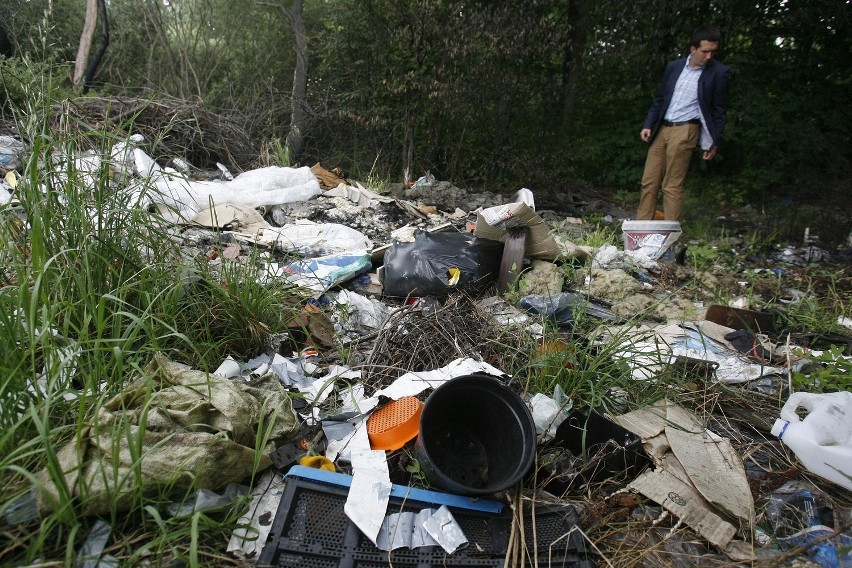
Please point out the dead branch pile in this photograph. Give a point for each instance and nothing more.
(171, 127)
(422, 338)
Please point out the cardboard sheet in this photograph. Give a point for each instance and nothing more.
(699, 477)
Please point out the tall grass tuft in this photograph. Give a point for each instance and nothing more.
(92, 286)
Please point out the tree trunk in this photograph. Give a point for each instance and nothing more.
(572, 65)
(86, 38)
(102, 46)
(408, 150)
(295, 141)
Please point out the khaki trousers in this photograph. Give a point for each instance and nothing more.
(666, 166)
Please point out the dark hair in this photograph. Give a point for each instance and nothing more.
(705, 34)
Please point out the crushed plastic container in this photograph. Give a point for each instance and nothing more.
(822, 440)
(652, 238)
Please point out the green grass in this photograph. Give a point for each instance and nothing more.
(92, 287)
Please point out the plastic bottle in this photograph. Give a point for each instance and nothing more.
(823, 439)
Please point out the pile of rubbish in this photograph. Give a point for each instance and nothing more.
(420, 449)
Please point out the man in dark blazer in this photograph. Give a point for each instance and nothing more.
(688, 108)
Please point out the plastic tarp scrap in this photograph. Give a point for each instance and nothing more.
(171, 430)
(314, 239)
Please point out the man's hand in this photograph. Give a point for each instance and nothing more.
(645, 135)
(708, 155)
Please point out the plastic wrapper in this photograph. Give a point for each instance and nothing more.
(423, 268)
(315, 239)
(11, 153)
(322, 273)
(800, 517)
(560, 308)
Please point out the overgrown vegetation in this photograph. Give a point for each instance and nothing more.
(488, 95)
(93, 285)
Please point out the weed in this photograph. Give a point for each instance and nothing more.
(831, 371)
(274, 153)
(701, 256)
(94, 285)
(418, 476)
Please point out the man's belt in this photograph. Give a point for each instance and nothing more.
(670, 123)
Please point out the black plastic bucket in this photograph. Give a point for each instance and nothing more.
(477, 436)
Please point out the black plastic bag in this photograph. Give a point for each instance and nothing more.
(435, 264)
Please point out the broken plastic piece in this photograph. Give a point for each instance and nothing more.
(93, 547)
(395, 424)
(317, 462)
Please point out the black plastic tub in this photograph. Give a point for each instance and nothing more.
(477, 436)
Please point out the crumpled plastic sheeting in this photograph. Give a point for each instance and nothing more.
(11, 153)
(272, 185)
(193, 431)
(320, 274)
(315, 239)
(648, 351)
(363, 312)
(733, 368)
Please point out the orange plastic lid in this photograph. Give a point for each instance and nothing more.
(395, 424)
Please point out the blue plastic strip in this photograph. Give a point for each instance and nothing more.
(402, 491)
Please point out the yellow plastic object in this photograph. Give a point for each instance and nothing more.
(453, 275)
(317, 462)
(395, 424)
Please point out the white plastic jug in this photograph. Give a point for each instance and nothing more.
(822, 440)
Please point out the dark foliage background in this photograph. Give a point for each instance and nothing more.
(489, 94)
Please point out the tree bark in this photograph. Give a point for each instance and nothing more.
(102, 46)
(408, 150)
(295, 141)
(85, 41)
(572, 65)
